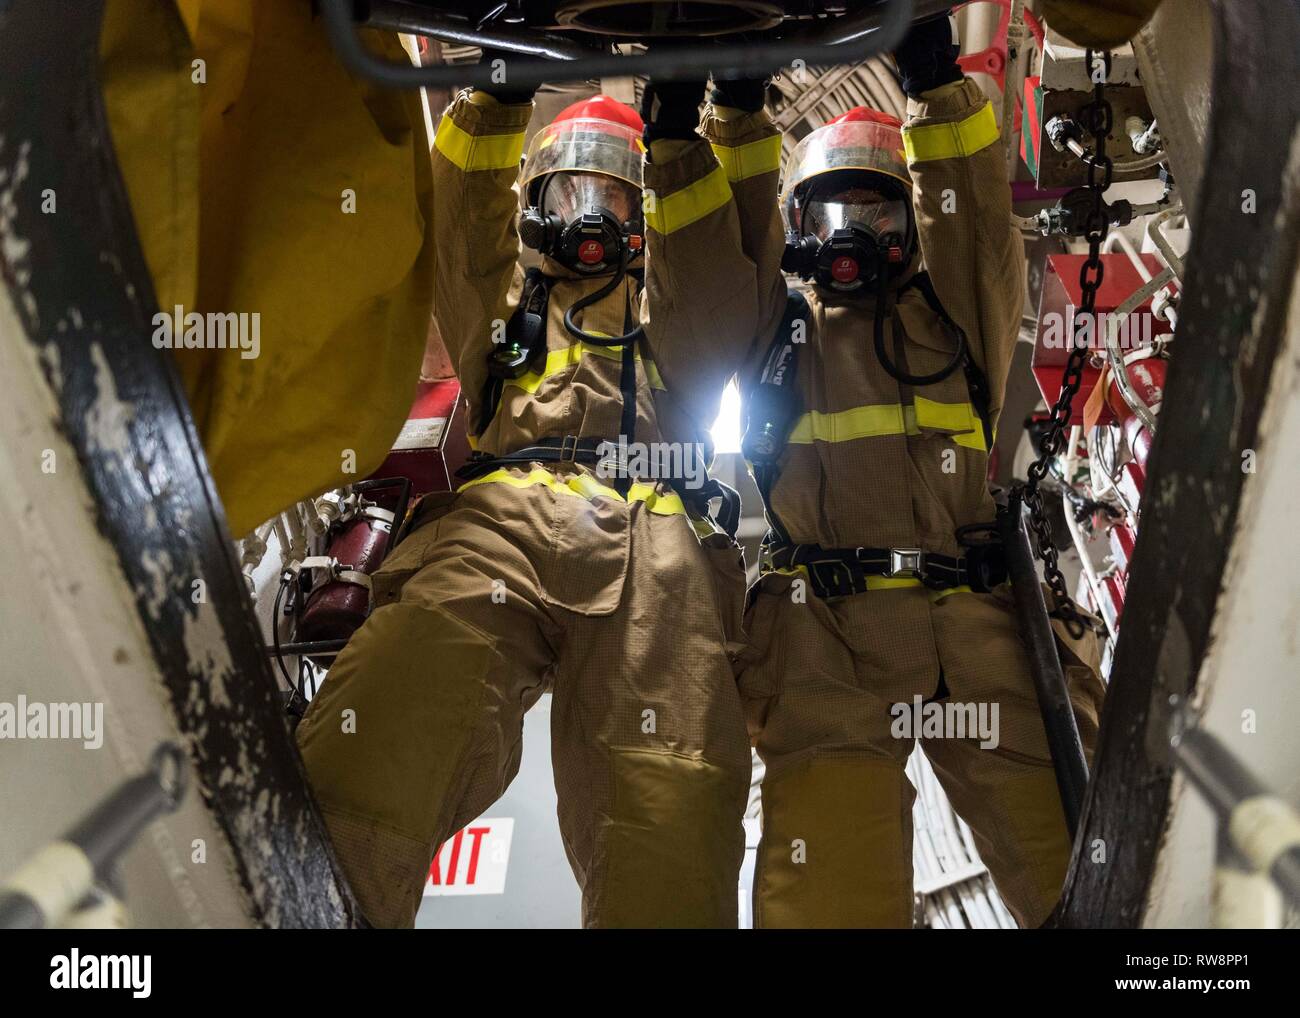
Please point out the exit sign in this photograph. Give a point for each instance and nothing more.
(473, 861)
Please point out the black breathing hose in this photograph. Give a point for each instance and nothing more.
(883, 308)
(597, 295)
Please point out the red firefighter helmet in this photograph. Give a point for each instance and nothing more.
(596, 135)
(602, 107)
(865, 114)
(861, 139)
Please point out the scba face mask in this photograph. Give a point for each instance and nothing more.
(849, 237)
(586, 221)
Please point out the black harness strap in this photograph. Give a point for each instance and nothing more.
(604, 453)
(838, 572)
(527, 331)
(586, 451)
(772, 406)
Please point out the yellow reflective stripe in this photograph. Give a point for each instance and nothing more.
(690, 204)
(478, 151)
(950, 141)
(582, 485)
(960, 419)
(891, 419)
(751, 160)
(561, 360)
(579, 485)
(662, 503)
(703, 528)
(846, 425)
(955, 417)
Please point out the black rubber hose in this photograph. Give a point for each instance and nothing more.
(882, 309)
(592, 298)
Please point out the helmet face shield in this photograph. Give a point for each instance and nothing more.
(853, 207)
(568, 195)
(849, 145)
(581, 146)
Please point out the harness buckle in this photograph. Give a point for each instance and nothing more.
(906, 562)
(611, 461)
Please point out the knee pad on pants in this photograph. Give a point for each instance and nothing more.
(669, 853)
(837, 844)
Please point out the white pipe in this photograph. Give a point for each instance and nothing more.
(1131, 166)
(252, 550)
(1026, 224)
(1162, 242)
(297, 532)
(282, 538)
(1116, 358)
(1118, 239)
(1145, 163)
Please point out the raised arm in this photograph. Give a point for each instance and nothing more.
(477, 279)
(748, 145)
(963, 203)
(701, 311)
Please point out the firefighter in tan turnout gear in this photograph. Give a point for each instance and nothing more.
(552, 567)
(870, 417)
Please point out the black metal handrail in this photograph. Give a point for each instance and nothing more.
(847, 39)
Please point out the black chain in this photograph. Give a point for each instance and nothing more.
(1098, 118)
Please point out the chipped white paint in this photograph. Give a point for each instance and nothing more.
(159, 567)
(72, 627)
(109, 417)
(1253, 655)
(206, 648)
(13, 248)
(53, 366)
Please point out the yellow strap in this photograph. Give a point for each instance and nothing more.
(950, 141)
(478, 151)
(882, 582)
(666, 503)
(847, 425)
(582, 485)
(561, 360)
(750, 160)
(690, 204)
(958, 419)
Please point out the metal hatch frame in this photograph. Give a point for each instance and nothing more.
(85, 300)
(1240, 274)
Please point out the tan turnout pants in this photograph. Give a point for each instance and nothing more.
(837, 806)
(525, 583)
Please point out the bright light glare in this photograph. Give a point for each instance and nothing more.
(726, 429)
